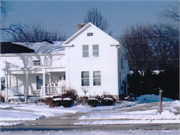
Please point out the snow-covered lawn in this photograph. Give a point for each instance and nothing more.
(143, 110)
(12, 112)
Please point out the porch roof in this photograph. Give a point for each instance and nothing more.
(36, 70)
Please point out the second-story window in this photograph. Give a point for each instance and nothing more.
(36, 63)
(85, 51)
(96, 50)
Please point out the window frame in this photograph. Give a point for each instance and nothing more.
(3, 84)
(95, 50)
(85, 51)
(84, 78)
(99, 78)
(90, 34)
(36, 63)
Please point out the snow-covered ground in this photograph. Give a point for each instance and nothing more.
(96, 132)
(121, 113)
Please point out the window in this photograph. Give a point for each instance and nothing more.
(89, 34)
(85, 78)
(96, 78)
(2, 83)
(39, 82)
(96, 50)
(85, 50)
(36, 63)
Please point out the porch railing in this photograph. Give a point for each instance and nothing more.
(52, 91)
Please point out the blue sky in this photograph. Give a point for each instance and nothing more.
(65, 15)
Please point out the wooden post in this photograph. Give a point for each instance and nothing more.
(160, 101)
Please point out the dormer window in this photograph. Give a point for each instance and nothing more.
(36, 63)
(90, 34)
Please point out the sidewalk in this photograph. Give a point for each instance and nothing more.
(89, 118)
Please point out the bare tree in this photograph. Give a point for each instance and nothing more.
(151, 46)
(13, 28)
(94, 16)
(165, 45)
(135, 40)
(34, 33)
(5, 6)
(171, 12)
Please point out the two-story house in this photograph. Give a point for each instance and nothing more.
(90, 59)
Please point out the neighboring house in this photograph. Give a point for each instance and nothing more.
(90, 59)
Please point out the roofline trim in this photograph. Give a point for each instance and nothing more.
(77, 33)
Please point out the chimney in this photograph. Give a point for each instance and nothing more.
(80, 25)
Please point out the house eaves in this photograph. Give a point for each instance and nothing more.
(66, 43)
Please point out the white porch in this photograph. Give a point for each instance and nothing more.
(19, 84)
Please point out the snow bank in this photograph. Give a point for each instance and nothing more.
(18, 115)
(134, 115)
(105, 122)
(151, 98)
(11, 123)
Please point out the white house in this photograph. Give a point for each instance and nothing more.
(90, 59)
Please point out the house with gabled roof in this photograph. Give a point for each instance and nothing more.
(90, 59)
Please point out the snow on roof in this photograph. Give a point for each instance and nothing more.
(43, 47)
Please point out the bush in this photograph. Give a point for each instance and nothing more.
(130, 97)
(70, 93)
(107, 101)
(93, 102)
(39, 101)
(67, 102)
(56, 102)
(109, 96)
(2, 98)
(82, 100)
(48, 101)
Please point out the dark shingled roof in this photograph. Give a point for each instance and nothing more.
(8, 47)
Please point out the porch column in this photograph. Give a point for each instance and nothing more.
(26, 88)
(49, 77)
(6, 79)
(44, 81)
(6, 87)
(9, 80)
(68, 68)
